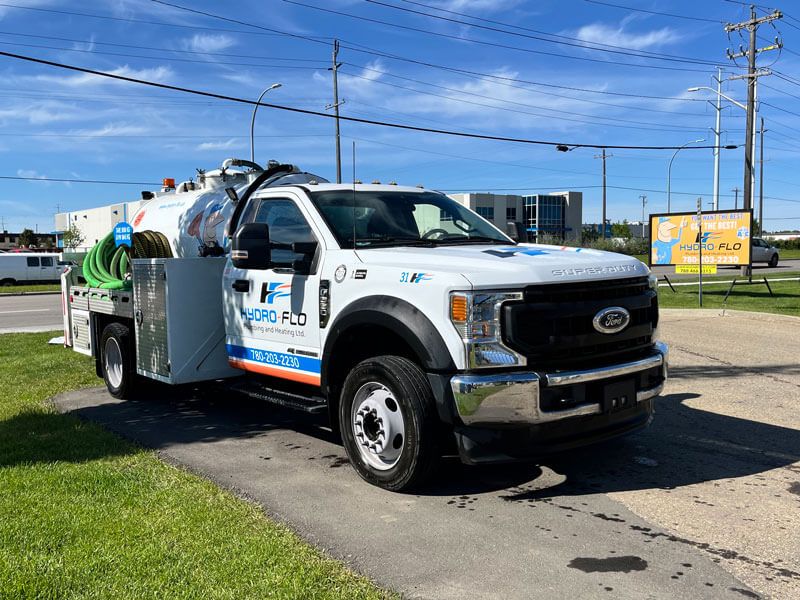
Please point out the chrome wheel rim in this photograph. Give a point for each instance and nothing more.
(378, 426)
(113, 362)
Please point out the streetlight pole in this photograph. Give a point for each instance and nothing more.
(253, 120)
(669, 171)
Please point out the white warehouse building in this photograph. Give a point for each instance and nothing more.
(94, 223)
(555, 215)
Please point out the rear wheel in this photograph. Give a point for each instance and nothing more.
(388, 422)
(116, 360)
(773, 261)
(7, 282)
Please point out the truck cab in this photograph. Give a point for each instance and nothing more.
(419, 327)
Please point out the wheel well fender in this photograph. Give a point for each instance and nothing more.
(408, 326)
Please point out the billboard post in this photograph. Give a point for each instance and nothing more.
(700, 251)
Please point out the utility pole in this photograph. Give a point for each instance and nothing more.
(752, 74)
(761, 182)
(335, 107)
(604, 156)
(644, 203)
(715, 200)
(736, 198)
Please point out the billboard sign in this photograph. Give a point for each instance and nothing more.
(675, 238)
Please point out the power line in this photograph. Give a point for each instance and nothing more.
(481, 42)
(156, 48)
(482, 104)
(130, 20)
(572, 41)
(378, 53)
(58, 180)
(304, 111)
(160, 58)
(655, 12)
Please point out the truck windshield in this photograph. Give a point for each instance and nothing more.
(402, 219)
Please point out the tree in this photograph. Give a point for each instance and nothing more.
(27, 238)
(621, 230)
(73, 237)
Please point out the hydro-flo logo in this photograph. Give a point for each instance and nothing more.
(271, 290)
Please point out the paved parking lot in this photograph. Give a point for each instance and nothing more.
(705, 503)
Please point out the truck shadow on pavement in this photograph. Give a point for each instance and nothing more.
(684, 445)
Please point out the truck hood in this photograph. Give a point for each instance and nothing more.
(491, 266)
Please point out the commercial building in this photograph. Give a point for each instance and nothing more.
(42, 241)
(544, 216)
(94, 223)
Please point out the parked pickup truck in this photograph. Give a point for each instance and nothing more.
(419, 327)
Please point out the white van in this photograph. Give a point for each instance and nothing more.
(29, 267)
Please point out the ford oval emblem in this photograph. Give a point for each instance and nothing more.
(611, 320)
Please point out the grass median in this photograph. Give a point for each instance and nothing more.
(85, 514)
(27, 289)
(752, 297)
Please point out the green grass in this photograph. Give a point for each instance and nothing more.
(39, 287)
(753, 297)
(789, 254)
(85, 514)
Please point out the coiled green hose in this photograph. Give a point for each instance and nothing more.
(106, 266)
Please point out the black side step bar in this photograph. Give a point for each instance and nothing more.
(313, 405)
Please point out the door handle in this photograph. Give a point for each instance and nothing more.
(241, 285)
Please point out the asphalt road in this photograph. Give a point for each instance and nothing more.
(31, 312)
(704, 504)
(759, 270)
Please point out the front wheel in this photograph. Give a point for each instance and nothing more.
(388, 422)
(773, 261)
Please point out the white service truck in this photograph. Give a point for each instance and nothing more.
(419, 327)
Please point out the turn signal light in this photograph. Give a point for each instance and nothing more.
(168, 182)
(458, 309)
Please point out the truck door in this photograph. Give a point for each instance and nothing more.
(272, 316)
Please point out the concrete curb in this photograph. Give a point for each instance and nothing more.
(718, 312)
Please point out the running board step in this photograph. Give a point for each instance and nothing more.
(313, 405)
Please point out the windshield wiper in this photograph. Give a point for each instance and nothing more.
(392, 241)
(475, 240)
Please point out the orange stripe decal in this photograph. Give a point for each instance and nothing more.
(274, 372)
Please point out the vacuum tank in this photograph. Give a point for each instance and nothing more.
(194, 216)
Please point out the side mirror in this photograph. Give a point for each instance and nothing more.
(250, 247)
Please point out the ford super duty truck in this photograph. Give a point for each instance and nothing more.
(418, 326)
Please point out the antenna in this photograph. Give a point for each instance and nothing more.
(354, 194)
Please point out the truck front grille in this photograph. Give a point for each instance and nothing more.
(553, 328)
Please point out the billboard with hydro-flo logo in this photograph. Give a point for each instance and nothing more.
(724, 237)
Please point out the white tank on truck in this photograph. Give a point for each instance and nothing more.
(194, 215)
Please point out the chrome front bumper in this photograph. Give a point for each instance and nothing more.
(514, 398)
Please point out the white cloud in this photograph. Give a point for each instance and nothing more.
(599, 33)
(151, 74)
(209, 42)
(30, 173)
(231, 143)
(39, 113)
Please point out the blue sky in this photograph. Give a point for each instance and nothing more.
(58, 124)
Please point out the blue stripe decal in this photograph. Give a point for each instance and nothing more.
(275, 359)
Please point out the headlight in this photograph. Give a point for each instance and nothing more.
(476, 317)
(652, 281)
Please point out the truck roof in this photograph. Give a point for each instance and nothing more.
(359, 187)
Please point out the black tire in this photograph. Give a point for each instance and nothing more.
(116, 350)
(8, 282)
(410, 389)
(773, 261)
